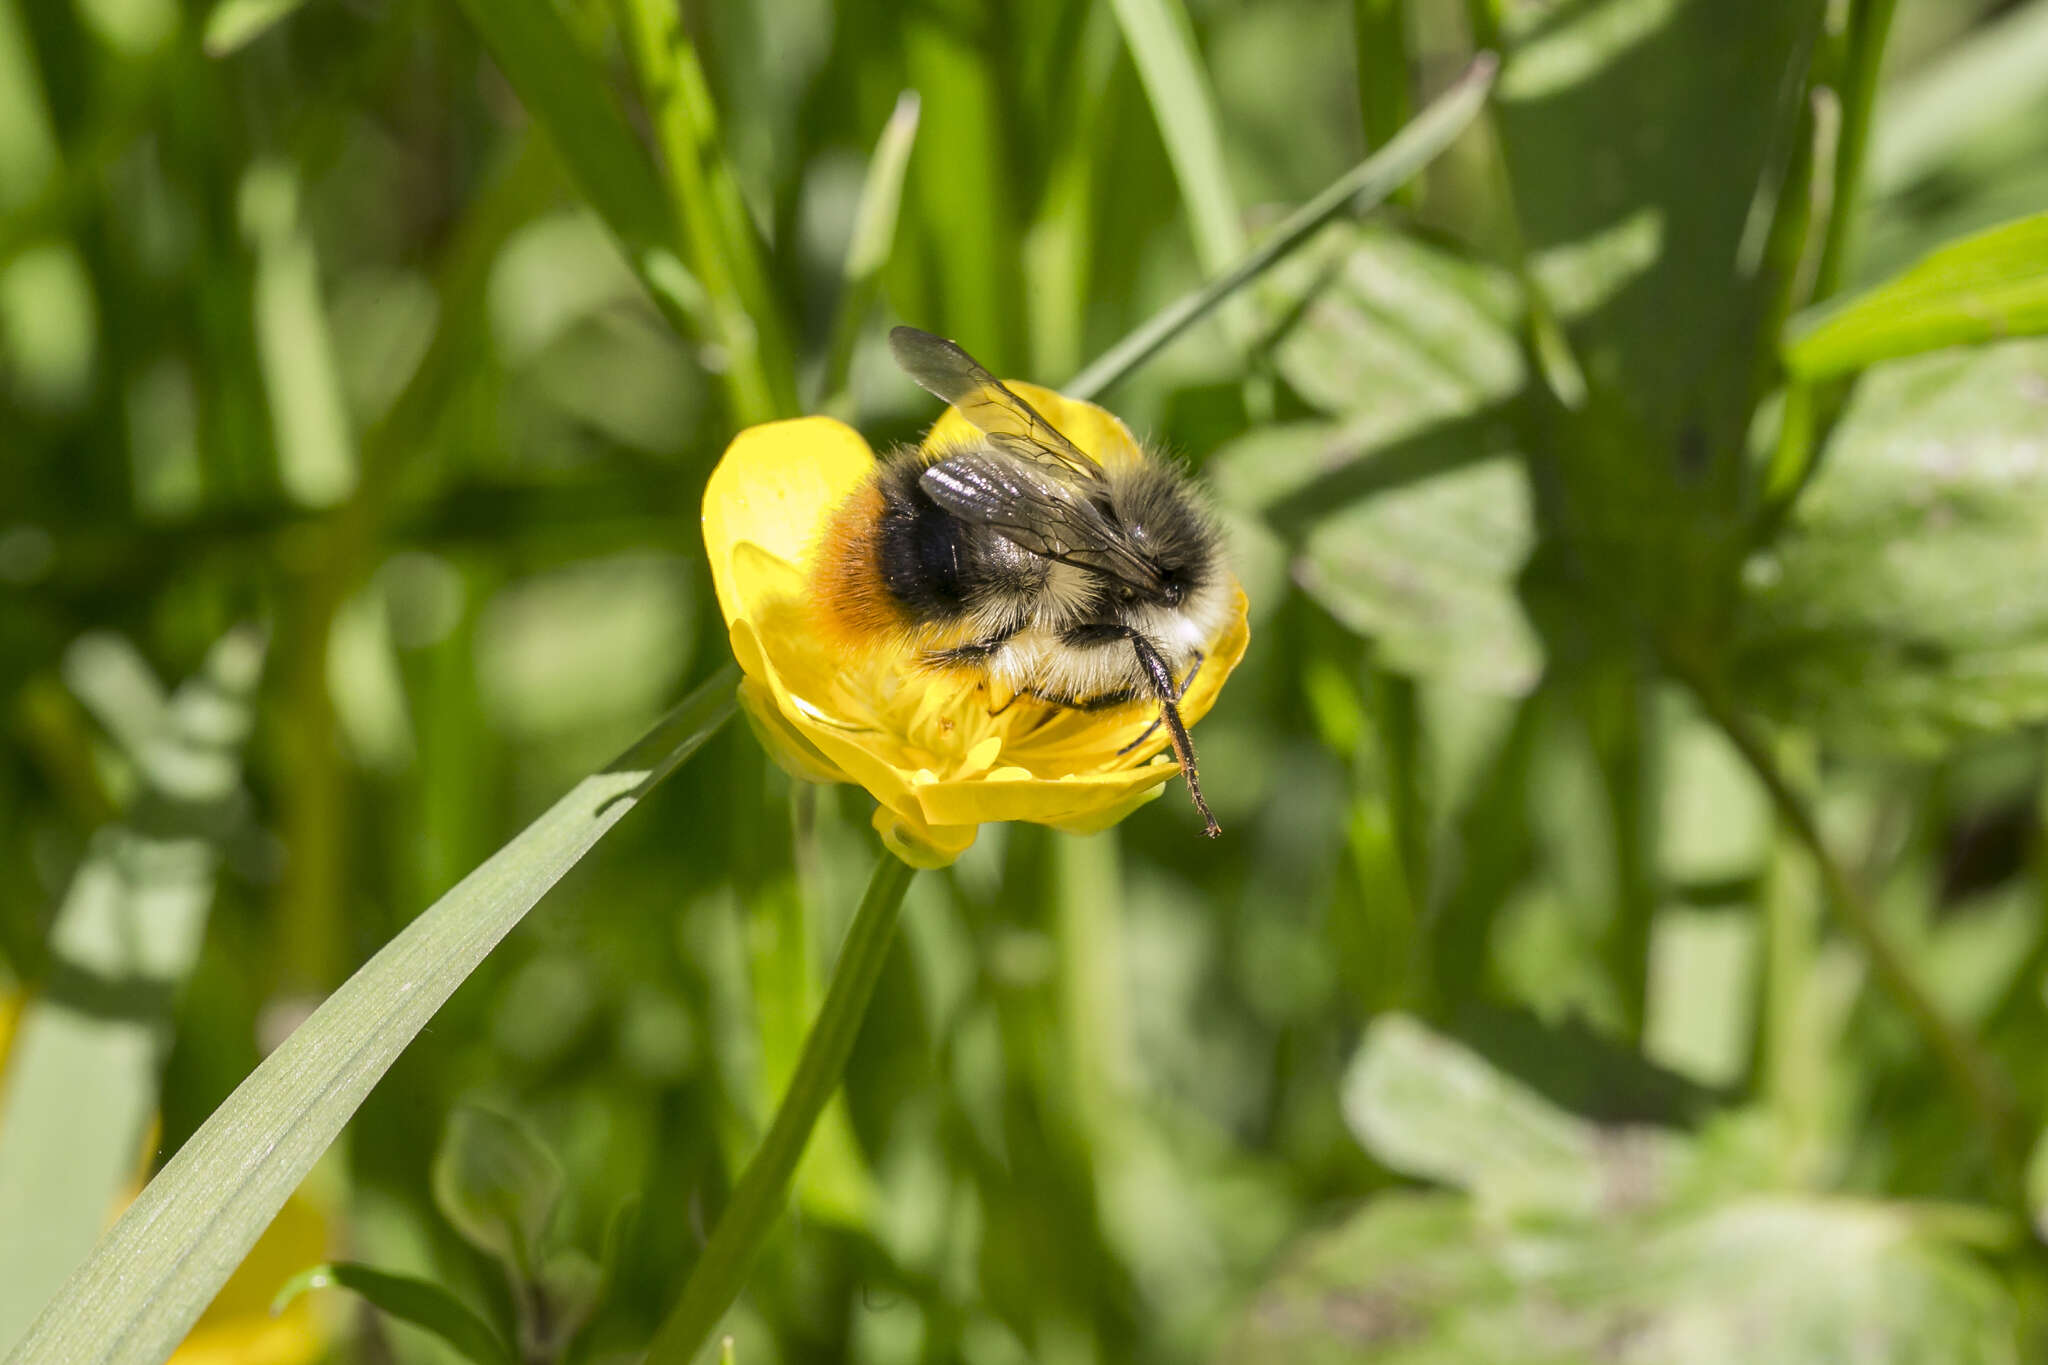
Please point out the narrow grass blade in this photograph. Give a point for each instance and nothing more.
(1162, 43)
(159, 1266)
(1870, 23)
(316, 450)
(233, 24)
(1365, 185)
(81, 1080)
(1380, 30)
(874, 234)
(539, 55)
(1985, 287)
(422, 1303)
(705, 199)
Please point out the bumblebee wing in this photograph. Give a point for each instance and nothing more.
(1037, 507)
(947, 372)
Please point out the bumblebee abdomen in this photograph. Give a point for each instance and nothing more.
(921, 550)
(893, 563)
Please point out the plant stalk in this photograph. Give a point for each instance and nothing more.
(758, 1200)
(1870, 22)
(1969, 1071)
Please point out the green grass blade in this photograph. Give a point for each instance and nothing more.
(316, 450)
(867, 251)
(1365, 185)
(161, 1264)
(1380, 30)
(80, 1082)
(1162, 43)
(422, 1303)
(540, 57)
(705, 197)
(1985, 287)
(234, 24)
(1870, 23)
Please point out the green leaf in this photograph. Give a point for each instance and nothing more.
(159, 1266)
(79, 1088)
(1399, 332)
(1410, 352)
(1640, 245)
(1649, 202)
(1984, 288)
(1767, 1280)
(1428, 571)
(234, 24)
(1430, 1108)
(1580, 1243)
(868, 250)
(1904, 608)
(422, 1303)
(498, 1185)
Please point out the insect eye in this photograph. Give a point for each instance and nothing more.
(1128, 594)
(1173, 594)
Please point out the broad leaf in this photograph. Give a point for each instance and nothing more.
(1429, 1108)
(1904, 608)
(1650, 145)
(1428, 572)
(1765, 1280)
(1410, 514)
(1984, 288)
(1582, 1243)
(496, 1182)
(1637, 176)
(422, 1303)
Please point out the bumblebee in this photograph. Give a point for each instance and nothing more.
(1019, 559)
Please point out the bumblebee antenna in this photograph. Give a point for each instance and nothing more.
(1161, 679)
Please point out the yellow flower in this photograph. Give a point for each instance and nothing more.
(925, 744)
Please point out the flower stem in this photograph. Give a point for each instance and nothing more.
(757, 1201)
(1976, 1081)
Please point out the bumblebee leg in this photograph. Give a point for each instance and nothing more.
(1162, 686)
(1185, 684)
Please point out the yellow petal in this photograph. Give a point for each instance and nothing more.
(1093, 430)
(775, 486)
(1044, 800)
(1098, 821)
(920, 844)
(762, 582)
(928, 747)
(792, 753)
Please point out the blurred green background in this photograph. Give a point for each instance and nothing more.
(1508, 1020)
